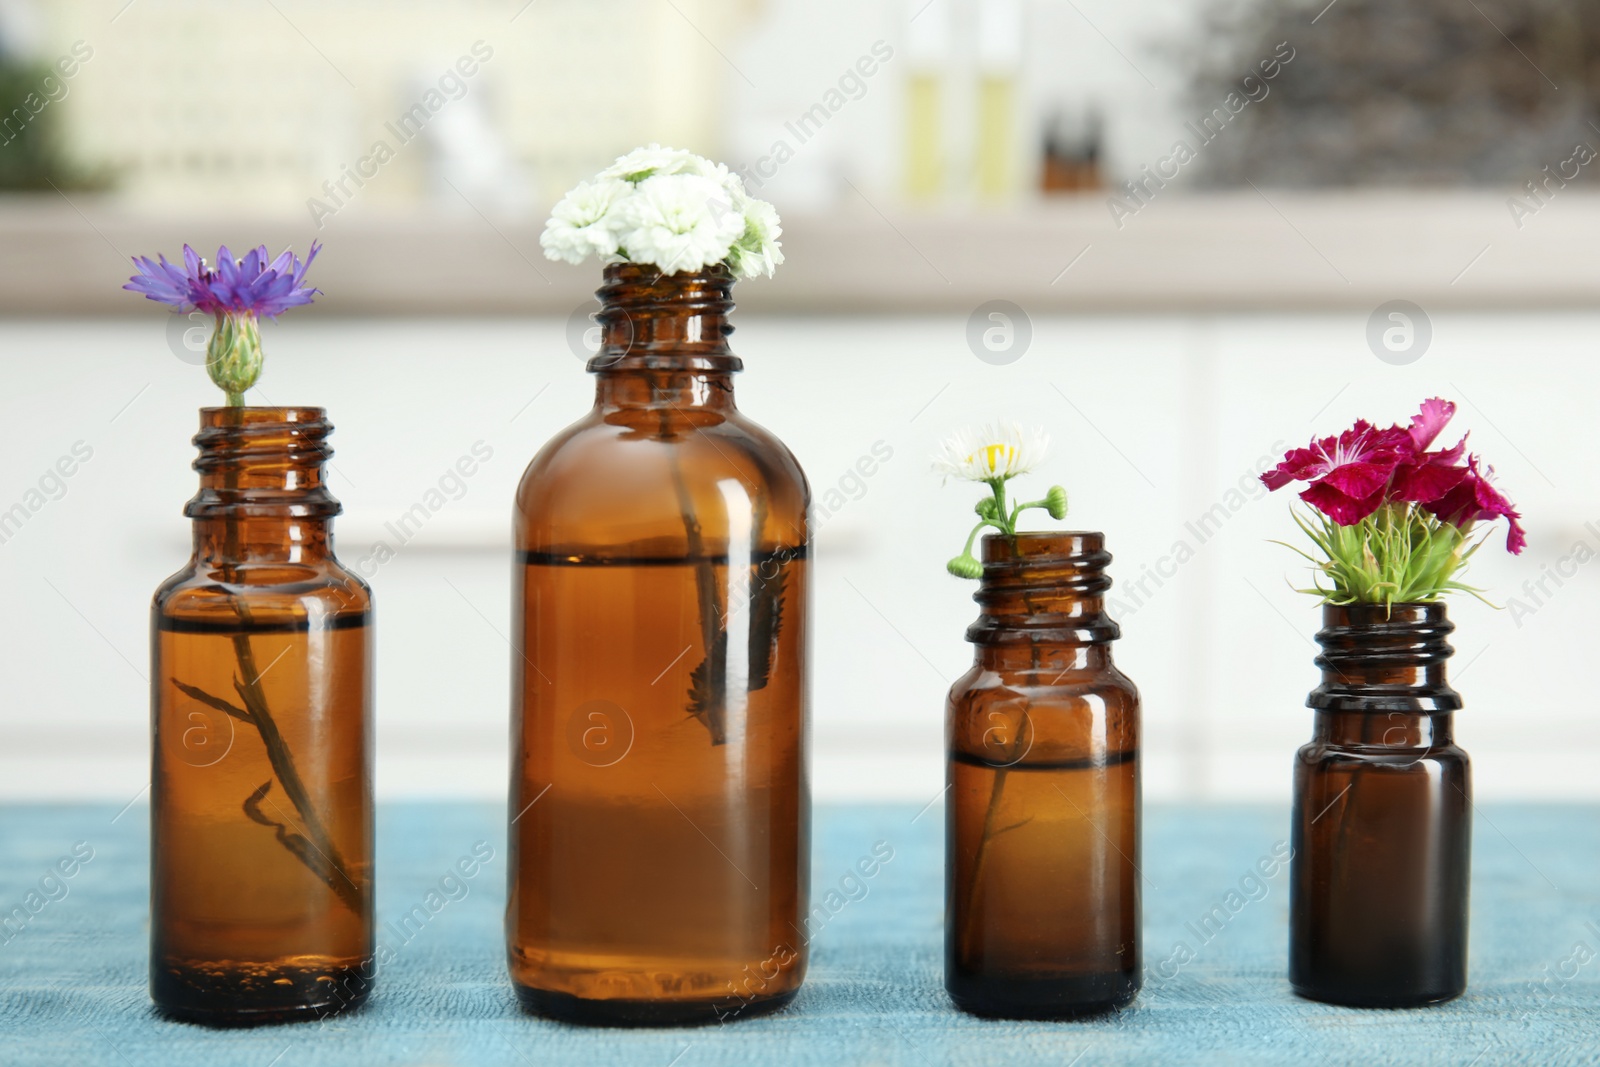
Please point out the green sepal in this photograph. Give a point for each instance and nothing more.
(233, 356)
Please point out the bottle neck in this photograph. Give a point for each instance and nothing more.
(1376, 659)
(1049, 657)
(664, 390)
(664, 339)
(263, 496)
(1042, 603)
(1389, 730)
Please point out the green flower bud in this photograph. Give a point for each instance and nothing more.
(1055, 502)
(985, 508)
(233, 358)
(964, 566)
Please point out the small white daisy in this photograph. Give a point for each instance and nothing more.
(999, 451)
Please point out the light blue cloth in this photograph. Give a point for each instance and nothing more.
(73, 977)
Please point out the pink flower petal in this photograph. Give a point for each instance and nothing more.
(1450, 456)
(1476, 500)
(1359, 479)
(1342, 509)
(1426, 424)
(1422, 482)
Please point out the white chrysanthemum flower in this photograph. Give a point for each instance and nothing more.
(1001, 451)
(582, 224)
(671, 220)
(719, 173)
(757, 251)
(653, 159)
(670, 208)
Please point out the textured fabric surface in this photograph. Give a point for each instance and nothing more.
(72, 977)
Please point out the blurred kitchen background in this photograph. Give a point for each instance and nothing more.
(1182, 237)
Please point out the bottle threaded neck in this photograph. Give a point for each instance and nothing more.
(1043, 588)
(1383, 658)
(262, 461)
(655, 321)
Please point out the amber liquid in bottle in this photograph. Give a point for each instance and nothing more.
(261, 785)
(1382, 817)
(660, 812)
(1042, 817)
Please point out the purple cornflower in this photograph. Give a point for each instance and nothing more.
(248, 286)
(239, 293)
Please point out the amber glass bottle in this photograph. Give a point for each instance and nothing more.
(1382, 816)
(261, 703)
(1042, 817)
(660, 809)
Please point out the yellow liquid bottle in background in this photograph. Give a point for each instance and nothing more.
(999, 52)
(924, 150)
(996, 142)
(927, 52)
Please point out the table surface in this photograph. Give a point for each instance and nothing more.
(72, 978)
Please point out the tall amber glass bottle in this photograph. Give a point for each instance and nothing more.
(660, 810)
(1382, 829)
(261, 704)
(1042, 817)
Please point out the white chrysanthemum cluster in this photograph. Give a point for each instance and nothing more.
(1000, 451)
(668, 207)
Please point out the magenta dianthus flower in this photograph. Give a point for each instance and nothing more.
(1394, 516)
(1347, 473)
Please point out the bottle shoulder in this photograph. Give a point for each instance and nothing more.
(985, 684)
(274, 592)
(632, 477)
(1323, 756)
(1038, 718)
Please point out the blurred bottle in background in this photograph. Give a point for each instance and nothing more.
(928, 57)
(1000, 28)
(1072, 151)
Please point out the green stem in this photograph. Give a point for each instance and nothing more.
(987, 836)
(975, 885)
(1007, 526)
(259, 715)
(249, 689)
(973, 536)
(1021, 507)
(709, 603)
(326, 860)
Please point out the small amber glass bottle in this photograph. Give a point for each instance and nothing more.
(261, 704)
(1042, 818)
(660, 812)
(1382, 830)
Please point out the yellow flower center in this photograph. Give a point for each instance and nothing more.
(996, 458)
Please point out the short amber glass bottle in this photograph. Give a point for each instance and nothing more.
(261, 704)
(1382, 829)
(660, 810)
(1042, 820)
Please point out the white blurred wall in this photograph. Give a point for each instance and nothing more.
(1155, 419)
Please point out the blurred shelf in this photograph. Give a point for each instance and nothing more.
(1272, 250)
